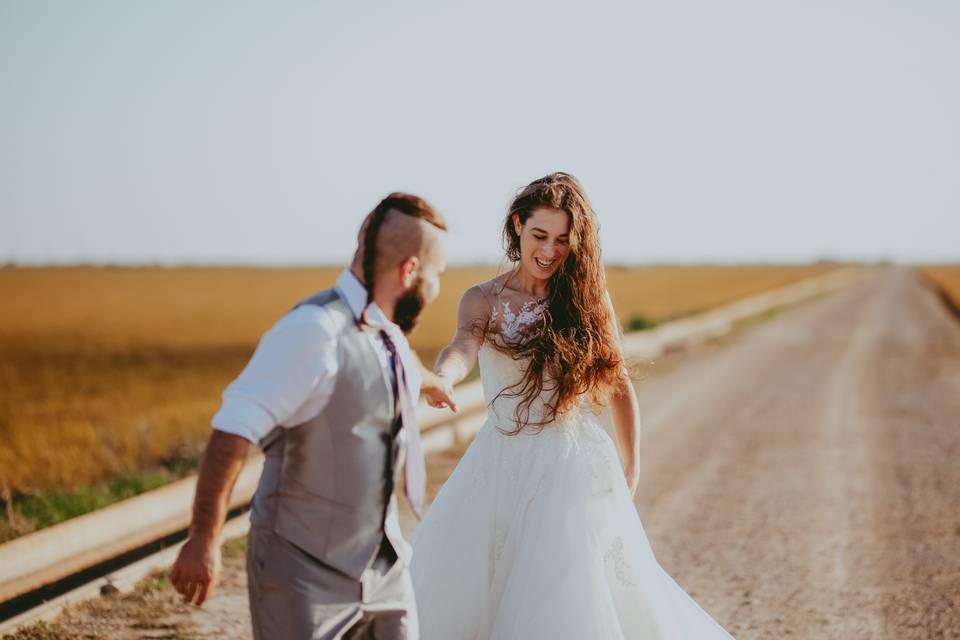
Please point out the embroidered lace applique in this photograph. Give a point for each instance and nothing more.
(620, 565)
(498, 541)
(512, 324)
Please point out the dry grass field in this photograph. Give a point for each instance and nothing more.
(947, 277)
(107, 372)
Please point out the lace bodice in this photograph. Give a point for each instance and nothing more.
(499, 370)
(512, 324)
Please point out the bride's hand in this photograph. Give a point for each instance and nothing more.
(632, 474)
(438, 392)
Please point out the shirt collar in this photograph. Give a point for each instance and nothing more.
(355, 294)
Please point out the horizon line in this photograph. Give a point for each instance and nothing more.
(13, 265)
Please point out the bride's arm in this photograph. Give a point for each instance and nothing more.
(457, 358)
(625, 413)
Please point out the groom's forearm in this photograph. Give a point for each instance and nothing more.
(222, 462)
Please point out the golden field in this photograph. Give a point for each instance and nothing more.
(947, 277)
(104, 371)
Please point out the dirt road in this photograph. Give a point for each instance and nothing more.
(801, 478)
(804, 480)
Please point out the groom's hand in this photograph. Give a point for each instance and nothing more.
(196, 570)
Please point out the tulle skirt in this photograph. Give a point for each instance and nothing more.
(535, 537)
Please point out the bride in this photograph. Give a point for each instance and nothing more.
(535, 536)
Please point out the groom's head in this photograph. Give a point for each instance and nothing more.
(400, 256)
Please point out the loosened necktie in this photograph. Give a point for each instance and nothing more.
(415, 474)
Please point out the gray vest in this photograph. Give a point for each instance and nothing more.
(327, 484)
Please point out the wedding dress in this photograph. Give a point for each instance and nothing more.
(535, 536)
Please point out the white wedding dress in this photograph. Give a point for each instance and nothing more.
(535, 536)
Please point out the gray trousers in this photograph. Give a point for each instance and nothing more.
(294, 596)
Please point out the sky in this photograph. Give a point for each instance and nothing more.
(181, 132)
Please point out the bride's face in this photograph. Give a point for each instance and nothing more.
(544, 241)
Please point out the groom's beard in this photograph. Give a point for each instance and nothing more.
(408, 307)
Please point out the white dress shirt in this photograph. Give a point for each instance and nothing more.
(292, 373)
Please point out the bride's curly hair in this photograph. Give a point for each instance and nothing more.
(574, 352)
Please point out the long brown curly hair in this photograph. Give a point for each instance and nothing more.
(574, 352)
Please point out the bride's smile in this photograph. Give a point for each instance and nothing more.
(544, 243)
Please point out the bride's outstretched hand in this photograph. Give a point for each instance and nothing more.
(438, 391)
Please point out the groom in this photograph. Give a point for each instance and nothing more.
(329, 395)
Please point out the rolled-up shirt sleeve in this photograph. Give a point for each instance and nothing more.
(292, 370)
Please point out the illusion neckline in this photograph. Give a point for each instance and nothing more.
(513, 322)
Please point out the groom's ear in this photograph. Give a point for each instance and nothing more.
(409, 270)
